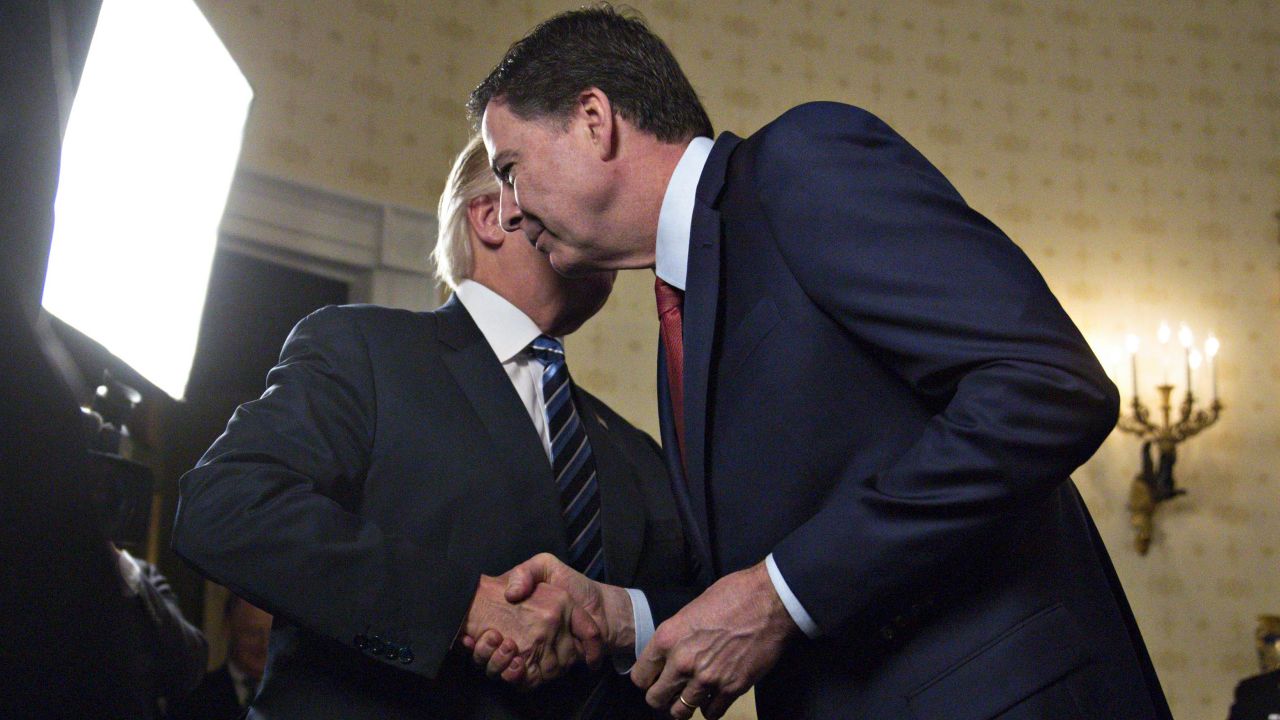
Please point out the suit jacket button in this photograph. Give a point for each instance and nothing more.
(887, 632)
(393, 653)
(376, 645)
(361, 642)
(406, 656)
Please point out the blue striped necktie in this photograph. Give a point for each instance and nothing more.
(571, 463)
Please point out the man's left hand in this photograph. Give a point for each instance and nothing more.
(716, 647)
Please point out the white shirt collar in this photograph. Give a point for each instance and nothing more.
(508, 330)
(675, 220)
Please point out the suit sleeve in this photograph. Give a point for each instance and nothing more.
(270, 510)
(884, 245)
(181, 649)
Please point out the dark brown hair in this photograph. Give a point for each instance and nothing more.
(599, 46)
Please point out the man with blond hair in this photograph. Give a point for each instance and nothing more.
(400, 462)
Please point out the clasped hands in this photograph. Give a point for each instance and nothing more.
(541, 617)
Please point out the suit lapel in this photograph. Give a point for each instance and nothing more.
(512, 438)
(695, 527)
(621, 505)
(701, 299)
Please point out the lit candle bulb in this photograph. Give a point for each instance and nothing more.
(1184, 337)
(1211, 346)
(1163, 335)
(1132, 342)
(1194, 359)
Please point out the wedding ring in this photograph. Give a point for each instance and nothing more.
(687, 704)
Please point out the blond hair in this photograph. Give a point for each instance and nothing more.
(470, 178)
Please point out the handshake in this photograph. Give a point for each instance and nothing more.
(541, 617)
(532, 623)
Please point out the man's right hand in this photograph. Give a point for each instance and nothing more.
(533, 640)
(608, 605)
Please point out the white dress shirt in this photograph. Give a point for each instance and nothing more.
(671, 263)
(509, 331)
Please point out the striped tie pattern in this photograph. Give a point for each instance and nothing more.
(571, 462)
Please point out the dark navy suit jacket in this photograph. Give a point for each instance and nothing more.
(214, 699)
(389, 463)
(881, 390)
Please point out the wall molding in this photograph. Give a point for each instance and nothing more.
(382, 251)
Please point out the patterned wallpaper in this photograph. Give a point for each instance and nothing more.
(1131, 147)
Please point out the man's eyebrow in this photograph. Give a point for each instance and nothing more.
(501, 159)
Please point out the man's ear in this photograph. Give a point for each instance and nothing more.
(596, 113)
(482, 215)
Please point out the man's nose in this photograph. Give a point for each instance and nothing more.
(509, 214)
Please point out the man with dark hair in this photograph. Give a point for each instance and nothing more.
(541, 75)
(870, 400)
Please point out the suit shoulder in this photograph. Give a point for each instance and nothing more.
(811, 121)
(807, 135)
(1256, 683)
(822, 112)
(369, 320)
(826, 142)
(367, 314)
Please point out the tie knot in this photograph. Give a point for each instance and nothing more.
(547, 350)
(669, 297)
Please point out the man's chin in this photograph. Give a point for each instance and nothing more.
(566, 266)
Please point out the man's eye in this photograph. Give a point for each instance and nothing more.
(504, 174)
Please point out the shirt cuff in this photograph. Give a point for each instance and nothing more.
(642, 618)
(789, 600)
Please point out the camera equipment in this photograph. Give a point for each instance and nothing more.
(120, 488)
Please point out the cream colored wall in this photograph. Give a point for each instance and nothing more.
(1132, 148)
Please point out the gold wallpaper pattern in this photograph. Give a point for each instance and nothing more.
(1131, 147)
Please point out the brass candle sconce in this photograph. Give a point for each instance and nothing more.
(1154, 483)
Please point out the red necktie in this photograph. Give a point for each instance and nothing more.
(671, 333)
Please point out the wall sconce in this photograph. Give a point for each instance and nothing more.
(1154, 484)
